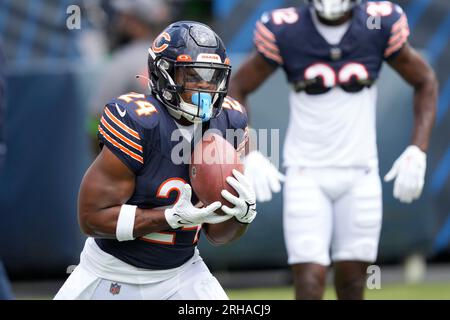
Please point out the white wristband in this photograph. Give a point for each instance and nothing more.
(125, 223)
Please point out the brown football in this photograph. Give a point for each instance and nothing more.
(212, 161)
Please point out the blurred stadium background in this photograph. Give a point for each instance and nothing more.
(53, 76)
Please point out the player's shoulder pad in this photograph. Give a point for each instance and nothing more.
(392, 21)
(142, 110)
(235, 111)
(278, 20)
(390, 15)
(125, 131)
(272, 31)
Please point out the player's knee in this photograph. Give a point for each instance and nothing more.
(309, 289)
(351, 289)
(309, 281)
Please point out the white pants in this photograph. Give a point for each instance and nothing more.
(194, 281)
(337, 210)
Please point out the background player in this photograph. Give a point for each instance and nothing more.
(332, 52)
(139, 248)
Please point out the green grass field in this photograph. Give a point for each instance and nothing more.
(425, 291)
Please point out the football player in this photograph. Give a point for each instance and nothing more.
(135, 203)
(332, 52)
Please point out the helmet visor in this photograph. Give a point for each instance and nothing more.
(202, 78)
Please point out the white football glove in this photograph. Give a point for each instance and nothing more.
(244, 209)
(409, 173)
(183, 213)
(263, 175)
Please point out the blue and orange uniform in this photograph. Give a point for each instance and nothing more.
(138, 129)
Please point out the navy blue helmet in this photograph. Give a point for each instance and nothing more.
(189, 70)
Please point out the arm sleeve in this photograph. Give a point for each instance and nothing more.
(395, 30)
(122, 135)
(265, 40)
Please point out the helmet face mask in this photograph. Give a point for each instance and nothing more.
(333, 9)
(200, 88)
(189, 71)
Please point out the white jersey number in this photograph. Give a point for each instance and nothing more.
(381, 8)
(329, 76)
(282, 16)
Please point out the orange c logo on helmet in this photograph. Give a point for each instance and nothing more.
(184, 58)
(162, 47)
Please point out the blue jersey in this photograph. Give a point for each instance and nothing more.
(289, 38)
(138, 130)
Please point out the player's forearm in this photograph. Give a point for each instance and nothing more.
(103, 223)
(236, 229)
(419, 74)
(225, 232)
(425, 99)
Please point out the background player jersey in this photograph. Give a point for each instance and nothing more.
(333, 94)
(139, 130)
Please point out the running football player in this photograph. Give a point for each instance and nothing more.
(135, 201)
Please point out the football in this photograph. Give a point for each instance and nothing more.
(213, 160)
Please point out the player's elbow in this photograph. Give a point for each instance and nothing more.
(217, 239)
(224, 233)
(434, 82)
(87, 231)
(86, 223)
(428, 82)
(215, 242)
